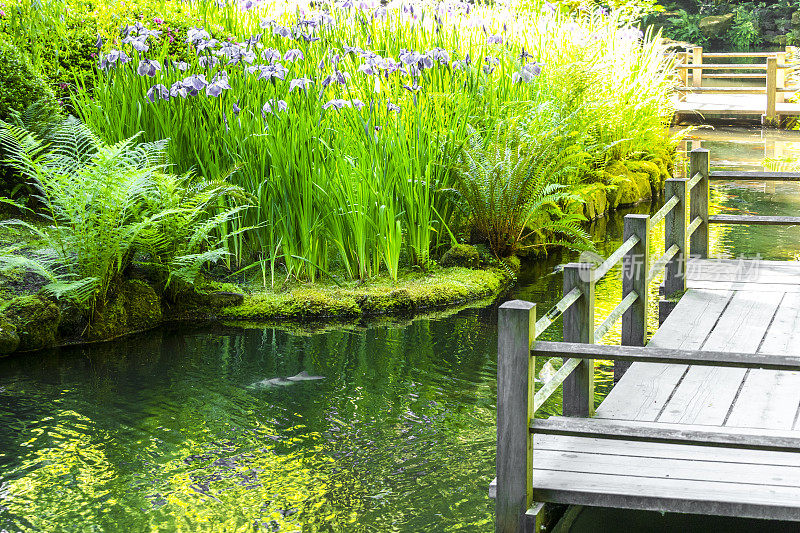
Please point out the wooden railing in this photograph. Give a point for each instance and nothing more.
(517, 400)
(775, 71)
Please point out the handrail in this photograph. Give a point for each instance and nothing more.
(615, 315)
(694, 181)
(557, 310)
(661, 263)
(756, 220)
(724, 66)
(760, 176)
(552, 385)
(690, 229)
(665, 209)
(614, 258)
(650, 354)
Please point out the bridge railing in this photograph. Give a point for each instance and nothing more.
(774, 70)
(685, 214)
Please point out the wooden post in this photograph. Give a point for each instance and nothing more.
(675, 234)
(772, 86)
(635, 267)
(515, 388)
(683, 73)
(698, 202)
(697, 73)
(578, 388)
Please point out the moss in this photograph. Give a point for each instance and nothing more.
(9, 340)
(412, 292)
(594, 201)
(462, 255)
(652, 171)
(134, 307)
(36, 321)
(142, 305)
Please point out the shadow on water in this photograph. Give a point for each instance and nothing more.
(168, 431)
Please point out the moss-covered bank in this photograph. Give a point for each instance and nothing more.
(466, 274)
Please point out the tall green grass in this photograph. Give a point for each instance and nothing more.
(362, 190)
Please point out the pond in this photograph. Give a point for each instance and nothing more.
(203, 429)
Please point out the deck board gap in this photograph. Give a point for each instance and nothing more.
(719, 317)
(739, 391)
(674, 389)
(766, 331)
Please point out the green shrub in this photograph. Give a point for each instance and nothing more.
(20, 84)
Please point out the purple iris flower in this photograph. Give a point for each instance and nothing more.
(157, 91)
(273, 106)
(494, 39)
(345, 4)
(137, 43)
(208, 62)
(441, 55)
(148, 67)
(270, 54)
(266, 23)
(392, 107)
(194, 35)
(218, 84)
(336, 77)
(236, 108)
(301, 83)
(183, 66)
(549, 7)
(352, 49)
(527, 73)
(293, 55)
(282, 32)
(196, 82)
(630, 34)
(179, 89)
(206, 44)
(99, 43)
(337, 103)
(112, 58)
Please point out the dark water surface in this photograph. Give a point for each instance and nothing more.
(166, 431)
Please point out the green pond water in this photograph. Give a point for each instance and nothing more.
(172, 431)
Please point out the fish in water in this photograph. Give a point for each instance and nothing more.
(284, 382)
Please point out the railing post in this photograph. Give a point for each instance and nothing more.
(578, 388)
(675, 234)
(515, 389)
(772, 88)
(635, 267)
(698, 202)
(697, 73)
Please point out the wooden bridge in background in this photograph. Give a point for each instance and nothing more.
(703, 418)
(696, 99)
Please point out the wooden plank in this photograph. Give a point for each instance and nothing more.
(770, 399)
(754, 220)
(698, 202)
(758, 176)
(706, 394)
(676, 469)
(578, 388)
(722, 90)
(742, 286)
(642, 394)
(667, 451)
(726, 66)
(692, 434)
(675, 234)
(515, 373)
(667, 495)
(651, 354)
(635, 267)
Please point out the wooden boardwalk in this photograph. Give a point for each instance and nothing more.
(706, 418)
(761, 316)
(696, 99)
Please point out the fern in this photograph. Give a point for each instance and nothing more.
(104, 205)
(513, 182)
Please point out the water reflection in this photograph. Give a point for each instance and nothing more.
(162, 432)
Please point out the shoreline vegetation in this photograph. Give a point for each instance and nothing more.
(251, 161)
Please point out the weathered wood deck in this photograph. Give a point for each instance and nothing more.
(705, 420)
(761, 315)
